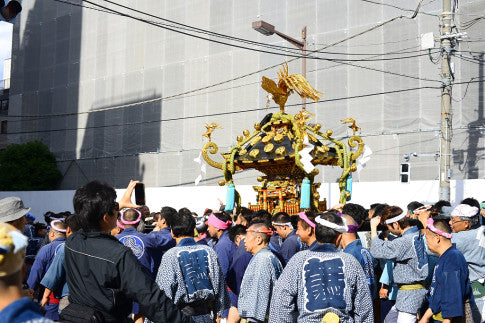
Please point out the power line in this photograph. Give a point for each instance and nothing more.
(173, 97)
(467, 129)
(188, 92)
(379, 44)
(219, 34)
(179, 25)
(295, 56)
(415, 12)
(404, 51)
(473, 60)
(286, 51)
(466, 91)
(240, 77)
(225, 113)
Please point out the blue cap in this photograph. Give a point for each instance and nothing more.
(30, 216)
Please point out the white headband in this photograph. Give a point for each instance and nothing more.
(396, 218)
(339, 228)
(282, 224)
(465, 210)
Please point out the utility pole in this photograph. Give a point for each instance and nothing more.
(446, 79)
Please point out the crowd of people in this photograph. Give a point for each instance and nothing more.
(113, 261)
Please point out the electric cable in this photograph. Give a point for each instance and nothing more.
(319, 50)
(157, 99)
(292, 54)
(415, 12)
(466, 90)
(466, 130)
(225, 113)
(287, 52)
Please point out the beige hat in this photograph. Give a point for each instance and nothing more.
(12, 249)
(12, 208)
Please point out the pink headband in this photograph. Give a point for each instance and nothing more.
(215, 222)
(303, 216)
(53, 225)
(437, 231)
(122, 212)
(121, 226)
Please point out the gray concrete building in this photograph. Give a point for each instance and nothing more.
(4, 102)
(119, 96)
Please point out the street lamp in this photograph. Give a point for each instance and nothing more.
(268, 29)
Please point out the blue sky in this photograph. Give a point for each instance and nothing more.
(5, 43)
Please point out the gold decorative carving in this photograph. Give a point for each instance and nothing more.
(279, 138)
(352, 126)
(286, 85)
(268, 148)
(254, 153)
(210, 129)
(211, 148)
(283, 173)
(267, 138)
(281, 150)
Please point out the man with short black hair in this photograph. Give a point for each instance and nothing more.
(440, 205)
(191, 276)
(356, 211)
(162, 235)
(288, 242)
(411, 207)
(103, 276)
(322, 284)
(245, 216)
(237, 234)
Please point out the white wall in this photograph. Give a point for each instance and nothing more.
(201, 197)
